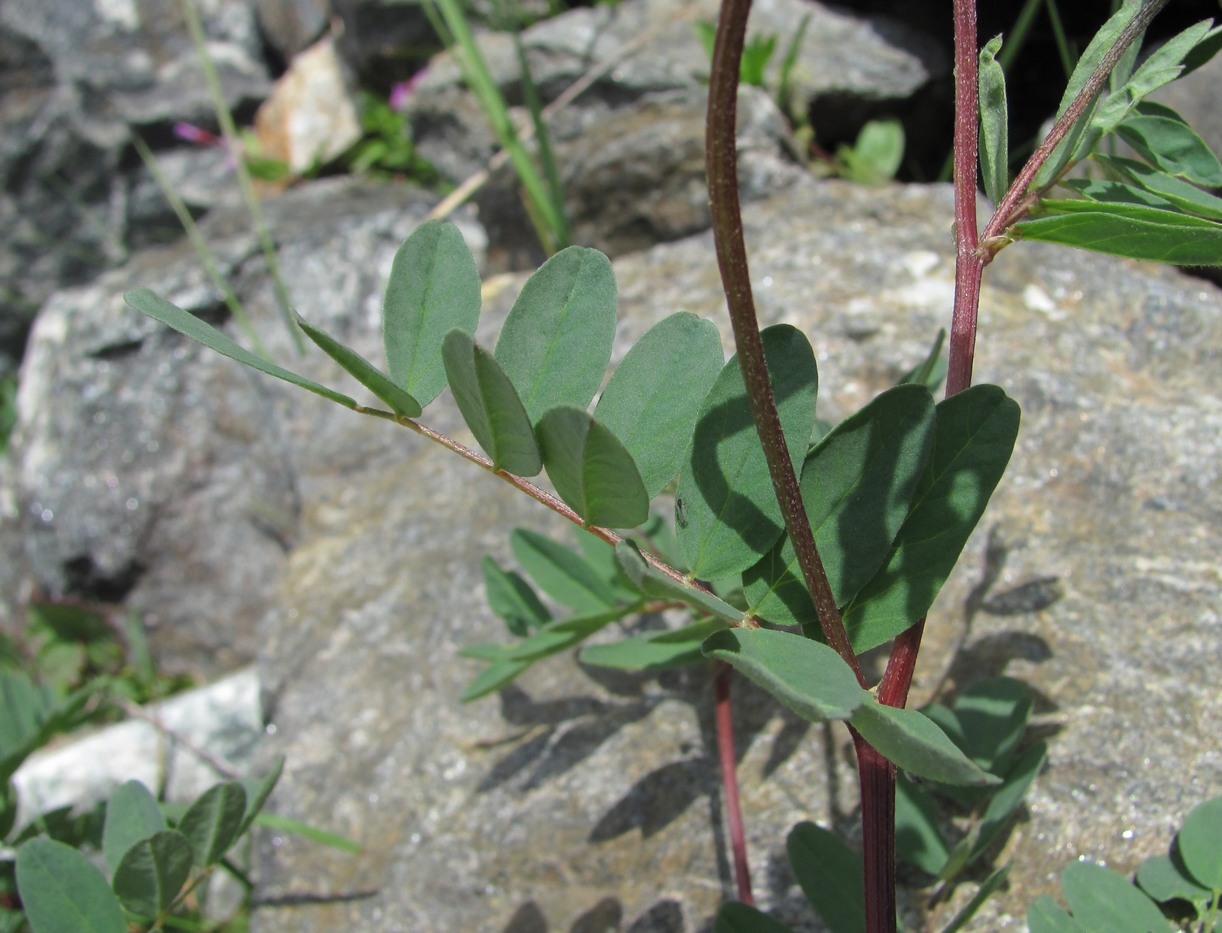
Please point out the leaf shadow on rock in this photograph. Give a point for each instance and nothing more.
(664, 916)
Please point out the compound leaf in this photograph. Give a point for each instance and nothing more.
(186, 323)
(974, 434)
(591, 470)
(654, 395)
(556, 342)
(807, 676)
(727, 516)
(62, 892)
(490, 406)
(433, 289)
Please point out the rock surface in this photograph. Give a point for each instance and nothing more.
(75, 79)
(150, 472)
(579, 797)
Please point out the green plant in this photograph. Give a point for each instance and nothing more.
(1181, 890)
(544, 195)
(796, 547)
(156, 861)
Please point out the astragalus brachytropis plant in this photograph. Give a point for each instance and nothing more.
(796, 547)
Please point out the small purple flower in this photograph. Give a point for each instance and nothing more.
(402, 92)
(196, 134)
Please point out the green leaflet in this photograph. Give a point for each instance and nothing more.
(1171, 145)
(654, 395)
(132, 814)
(492, 678)
(1161, 185)
(857, 485)
(916, 744)
(807, 676)
(556, 342)
(974, 435)
(561, 573)
(737, 917)
(62, 892)
(153, 872)
(591, 470)
(1078, 137)
(1100, 899)
(368, 375)
(917, 838)
(511, 660)
(199, 330)
(214, 821)
(994, 123)
(434, 288)
(1116, 192)
(1046, 916)
(1200, 843)
(654, 651)
(1161, 877)
(513, 599)
(657, 585)
(830, 875)
(257, 792)
(490, 406)
(1162, 66)
(726, 513)
(1129, 230)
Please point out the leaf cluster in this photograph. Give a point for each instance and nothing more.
(893, 491)
(1157, 205)
(1181, 890)
(154, 861)
(986, 724)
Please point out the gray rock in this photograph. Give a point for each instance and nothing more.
(184, 746)
(631, 146)
(132, 441)
(580, 797)
(292, 25)
(75, 78)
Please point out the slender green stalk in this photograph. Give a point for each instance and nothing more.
(211, 267)
(1062, 40)
(245, 183)
(722, 168)
(452, 27)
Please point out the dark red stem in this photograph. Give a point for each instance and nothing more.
(723, 677)
(722, 167)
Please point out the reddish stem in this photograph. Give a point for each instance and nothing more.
(723, 676)
(722, 166)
